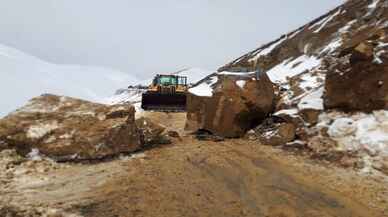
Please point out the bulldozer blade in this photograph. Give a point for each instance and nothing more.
(163, 102)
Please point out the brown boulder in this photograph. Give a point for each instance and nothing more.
(277, 134)
(238, 103)
(358, 81)
(152, 133)
(65, 128)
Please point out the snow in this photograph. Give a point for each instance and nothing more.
(359, 131)
(241, 83)
(373, 5)
(204, 88)
(24, 76)
(309, 81)
(236, 73)
(326, 21)
(347, 27)
(34, 155)
(332, 46)
(40, 130)
(290, 68)
(312, 100)
(291, 112)
(342, 127)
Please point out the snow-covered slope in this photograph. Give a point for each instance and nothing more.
(23, 76)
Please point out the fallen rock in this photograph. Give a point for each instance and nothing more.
(152, 133)
(275, 134)
(358, 81)
(65, 128)
(236, 105)
(310, 116)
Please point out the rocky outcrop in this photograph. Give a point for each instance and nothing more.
(65, 128)
(359, 80)
(237, 104)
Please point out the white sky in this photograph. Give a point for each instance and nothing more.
(145, 37)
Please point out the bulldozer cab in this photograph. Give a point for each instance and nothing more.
(170, 80)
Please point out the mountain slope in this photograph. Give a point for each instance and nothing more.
(24, 76)
(293, 61)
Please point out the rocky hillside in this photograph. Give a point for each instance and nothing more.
(330, 81)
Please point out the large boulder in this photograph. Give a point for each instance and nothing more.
(65, 128)
(237, 103)
(358, 81)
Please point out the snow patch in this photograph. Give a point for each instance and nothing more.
(313, 100)
(204, 88)
(291, 112)
(290, 68)
(34, 155)
(241, 83)
(332, 46)
(358, 131)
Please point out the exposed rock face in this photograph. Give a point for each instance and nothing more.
(358, 81)
(236, 105)
(65, 128)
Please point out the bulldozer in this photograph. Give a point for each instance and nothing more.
(166, 93)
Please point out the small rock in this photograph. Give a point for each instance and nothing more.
(275, 134)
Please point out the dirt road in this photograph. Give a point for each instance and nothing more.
(232, 179)
(196, 178)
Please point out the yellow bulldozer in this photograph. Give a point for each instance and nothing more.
(166, 93)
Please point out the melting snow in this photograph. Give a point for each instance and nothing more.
(359, 131)
(332, 46)
(312, 101)
(204, 88)
(287, 68)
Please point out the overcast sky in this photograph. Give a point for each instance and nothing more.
(143, 37)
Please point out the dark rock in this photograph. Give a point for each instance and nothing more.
(356, 82)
